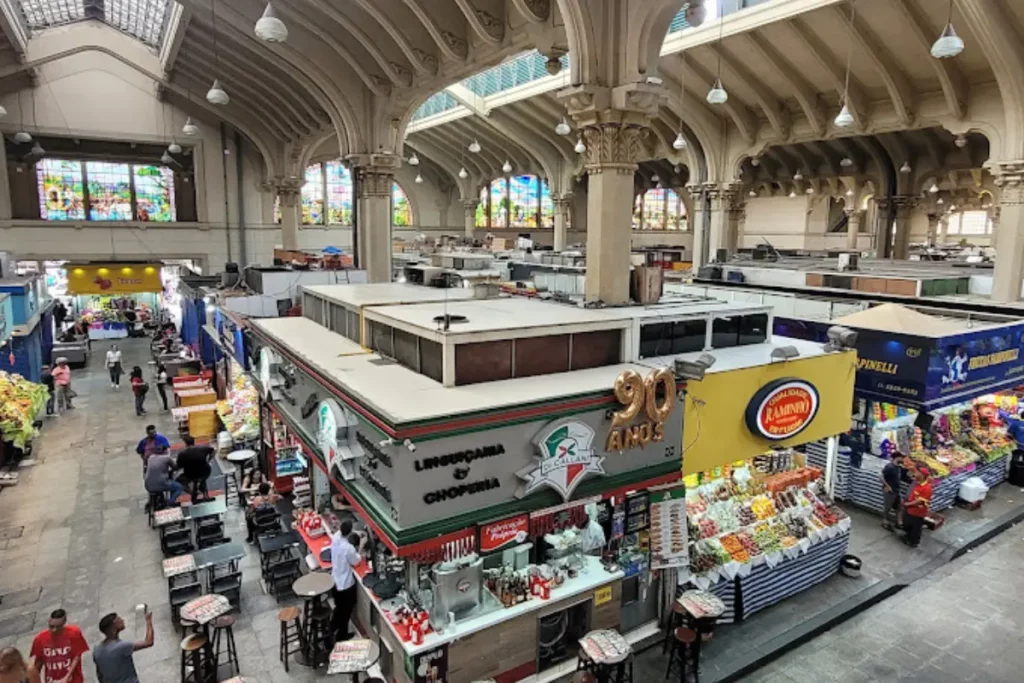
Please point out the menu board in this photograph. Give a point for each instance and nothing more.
(431, 666)
(668, 528)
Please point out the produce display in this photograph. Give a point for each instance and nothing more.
(20, 402)
(739, 518)
(240, 410)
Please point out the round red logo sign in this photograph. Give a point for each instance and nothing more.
(782, 409)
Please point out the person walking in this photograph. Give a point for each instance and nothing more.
(916, 508)
(114, 658)
(60, 314)
(140, 388)
(344, 557)
(58, 650)
(161, 383)
(62, 384)
(194, 462)
(114, 366)
(47, 380)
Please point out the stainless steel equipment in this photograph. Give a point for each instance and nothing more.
(459, 586)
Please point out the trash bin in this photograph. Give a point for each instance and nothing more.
(1016, 476)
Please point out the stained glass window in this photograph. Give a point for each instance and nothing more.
(313, 196)
(110, 191)
(499, 203)
(154, 193)
(654, 209)
(61, 194)
(524, 201)
(547, 207)
(339, 194)
(482, 211)
(638, 212)
(659, 209)
(675, 211)
(401, 211)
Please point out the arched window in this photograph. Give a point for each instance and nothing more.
(969, 223)
(659, 209)
(401, 211)
(313, 196)
(522, 201)
(326, 195)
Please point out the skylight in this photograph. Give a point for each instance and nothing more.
(141, 19)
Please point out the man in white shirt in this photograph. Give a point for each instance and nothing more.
(592, 538)
(344, 557)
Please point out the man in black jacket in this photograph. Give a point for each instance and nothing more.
(47, 380)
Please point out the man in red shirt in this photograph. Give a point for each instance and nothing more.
(916, 507)
(58, 650)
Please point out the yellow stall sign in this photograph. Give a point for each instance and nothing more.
(737, 414)
(602, 595)
(114, 278)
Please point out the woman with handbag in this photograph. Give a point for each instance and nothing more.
(114, 366)
(139, 388)
(161, 383)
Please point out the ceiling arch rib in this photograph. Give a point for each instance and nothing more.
(856, 102)
(900, 92)
(954, 85)
(451, 38)
(492, 137)
(802, 90)
(419, 51)
(304, 70)
(777, 117)
(284, 103)
(425, 148)
(461, 130)
(536, 146)
(735, 108)
(535, 112)
(473, 163)
(241, 94)
(486, 17)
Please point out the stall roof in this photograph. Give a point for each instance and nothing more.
(384, 293)
(905, 320)
(403, 396)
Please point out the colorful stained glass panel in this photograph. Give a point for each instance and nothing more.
(339, 194)
(110, 191)
(499, 203)
(676, 211)
(547, 207)
(313, 196)
(401, 211)
(154, 193)
(638, 212)
(61, 193)
(481, 209)
(654, 209)
(523, 201)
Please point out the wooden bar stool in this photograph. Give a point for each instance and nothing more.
(682, 654)
(318, 636)
(675, 620)
(224, 642)
(195, 666)
(291, 633)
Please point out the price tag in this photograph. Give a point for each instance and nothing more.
(602, 595)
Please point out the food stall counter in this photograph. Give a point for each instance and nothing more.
(316, 545)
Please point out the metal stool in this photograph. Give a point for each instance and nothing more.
(195, 665)
(230, 481)
(675, 620)
(291, 632)
(188, 627)
(319, 639)
(681, 655)
(224, 634)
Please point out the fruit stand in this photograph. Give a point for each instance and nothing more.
(20, 402)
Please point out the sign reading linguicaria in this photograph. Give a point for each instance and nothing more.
(782, 409)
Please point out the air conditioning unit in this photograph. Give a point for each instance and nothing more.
(847, 262)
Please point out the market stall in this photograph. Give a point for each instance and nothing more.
(239, 410)
(930, 388)
(23, 352)
(762, 526)
(116, 300)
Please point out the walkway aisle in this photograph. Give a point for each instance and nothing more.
(963, 622)
(85, 544)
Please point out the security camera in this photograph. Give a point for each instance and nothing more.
(410, 445)
(842, 337)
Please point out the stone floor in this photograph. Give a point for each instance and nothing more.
(962, 622)
(85, 544)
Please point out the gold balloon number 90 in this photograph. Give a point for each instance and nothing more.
(635, 393)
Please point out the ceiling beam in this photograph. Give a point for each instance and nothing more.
(454, 46)
(177, 25)
(469, 99)
(13, 27)
(424, 62)
(855, 99)
(801, 89)
(896, 83)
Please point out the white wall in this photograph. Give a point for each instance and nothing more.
(780, 220)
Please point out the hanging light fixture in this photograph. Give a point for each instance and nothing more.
(462, 173)
(960, 141)
(22, 136)
(792, 194)
(845, 118)
(166, 158)
(798, 175)
(506, 167)
(419, 178)
(755, 162)
(939, 201)
(38, 151)
(174, 148)
(563, 127)
(846, 162)
(190, 128)
(580, 147)
(752, 193)
(679, 143)
(717, 94)
(216, 94)
(949, 43)
(809, 190)
(3, 111)
(934, 189)
(414, 160)
(849, 193)
(905, 168)
(270, 28)
(474, 147)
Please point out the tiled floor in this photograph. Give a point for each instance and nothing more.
(86, 545)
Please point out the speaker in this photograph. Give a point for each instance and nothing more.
(923, 421)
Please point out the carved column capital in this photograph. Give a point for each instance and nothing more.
(375, 172)
(562, 201)
(904, 204)
(469, 205)
(1010, 180)
(288, 190)
(615, 146)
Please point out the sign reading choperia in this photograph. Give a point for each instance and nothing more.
(638, 395)
(782, 409)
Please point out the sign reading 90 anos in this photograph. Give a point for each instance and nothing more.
(782, 408)
(638, 395)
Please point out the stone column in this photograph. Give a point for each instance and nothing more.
(697, 225)
(726, 211)
(375, 174)
(905, 206)
(853, 228)
(563, 204)
(469, 207)
(933, 228)
(288, 192)
(615, 124)
(1009, 239)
